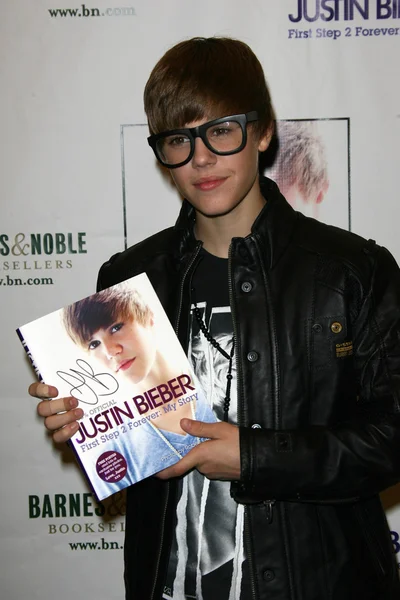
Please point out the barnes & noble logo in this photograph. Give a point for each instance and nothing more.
(346, 10)
(38, 252)
(84, 513)
(42, 243)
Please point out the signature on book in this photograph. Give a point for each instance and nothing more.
(88, 386)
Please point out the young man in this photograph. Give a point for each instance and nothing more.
(311, 314)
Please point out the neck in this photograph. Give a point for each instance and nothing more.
(217, 232)
(161, 371)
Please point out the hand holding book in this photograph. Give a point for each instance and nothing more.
(217, 458)
(61, 415)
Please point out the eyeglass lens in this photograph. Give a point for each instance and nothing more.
(222, 138)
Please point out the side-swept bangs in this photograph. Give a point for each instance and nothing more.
(206, 78)
(82, 319)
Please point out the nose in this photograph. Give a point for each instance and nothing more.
(202, 156)
(111, 349)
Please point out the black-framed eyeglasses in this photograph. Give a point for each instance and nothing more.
(224, 136)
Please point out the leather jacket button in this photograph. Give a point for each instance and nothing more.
(256, 426)
(336, 327)
(268, 575)
(317, 327)
(252, 356)
(246, 287)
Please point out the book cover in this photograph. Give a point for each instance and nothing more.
(117, 353)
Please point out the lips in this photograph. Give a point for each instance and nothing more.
(125, 364)
(209, 183)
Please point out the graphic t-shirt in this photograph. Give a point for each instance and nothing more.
(207, 555)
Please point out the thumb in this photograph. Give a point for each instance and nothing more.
(200, 428)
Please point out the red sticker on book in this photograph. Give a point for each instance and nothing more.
(111, 466)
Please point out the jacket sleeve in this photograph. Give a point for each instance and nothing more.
(356, 458)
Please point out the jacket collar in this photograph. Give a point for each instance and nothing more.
(276, 223)
(274, 226)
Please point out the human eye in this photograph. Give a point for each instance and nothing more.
(93, 344)
(223, 129)
(177, 141)
(116, 327)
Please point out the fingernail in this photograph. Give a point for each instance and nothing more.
(46, 390)
(72, 402)
(74, 427)
(78, 413)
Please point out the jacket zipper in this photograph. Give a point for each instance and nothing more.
(269, 507)
(241, 421)
(192, 260)
(250, 557)
(191, 263)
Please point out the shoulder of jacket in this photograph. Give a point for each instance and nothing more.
(136, 258)
(344, 249)
(334, 242)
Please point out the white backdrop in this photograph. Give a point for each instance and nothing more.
(78, 181)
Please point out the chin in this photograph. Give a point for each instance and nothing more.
(133, 378)
(215, 209)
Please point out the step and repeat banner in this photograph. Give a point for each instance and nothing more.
(79, 183)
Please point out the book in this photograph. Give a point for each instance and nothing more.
(117, 353)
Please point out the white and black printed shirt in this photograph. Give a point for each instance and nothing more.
(207, 559)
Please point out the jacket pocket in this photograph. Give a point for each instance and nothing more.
(329, 341)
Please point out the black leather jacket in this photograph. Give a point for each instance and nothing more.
(316, 314)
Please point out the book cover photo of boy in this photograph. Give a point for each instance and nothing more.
(131, 377)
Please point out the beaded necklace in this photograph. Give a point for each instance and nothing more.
(215, 344)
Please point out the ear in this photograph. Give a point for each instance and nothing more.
(151, 319)
(322, 192)
(265, 139)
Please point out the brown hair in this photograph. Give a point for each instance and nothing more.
(82, 319)
(207, 77)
